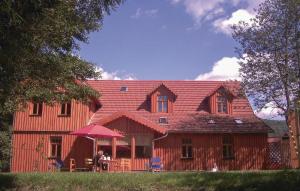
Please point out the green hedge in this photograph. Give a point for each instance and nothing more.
(224, 181)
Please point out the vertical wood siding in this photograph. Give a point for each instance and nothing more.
(249, 152)
(50, 120)
(26, 157)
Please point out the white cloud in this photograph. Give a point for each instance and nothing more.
(227, 68)
(270, 111)
(148, 13)
(114, 75)
(214, 10)
(200, 9)
(137, 14)
(224, 25)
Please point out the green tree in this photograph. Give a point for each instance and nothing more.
(38, 43)
(39, 40)
(5, 141)
(270, 47)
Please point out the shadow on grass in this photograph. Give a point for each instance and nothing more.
(7, 181)
(188, 181)
(255, 181)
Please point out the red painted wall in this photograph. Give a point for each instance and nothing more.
(50, 120)
(26, 158)
(250, 152)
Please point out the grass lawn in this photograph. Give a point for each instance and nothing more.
(223, 181)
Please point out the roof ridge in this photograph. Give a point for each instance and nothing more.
(233, 81)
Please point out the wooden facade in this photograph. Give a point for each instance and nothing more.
(249, 152)
(134, 114)
(31, 150)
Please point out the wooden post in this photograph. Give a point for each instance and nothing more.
(114, 148)
(132, 147)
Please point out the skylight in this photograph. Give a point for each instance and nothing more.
(163, 120)
(238, 121)
(124, 89)
(211, 121)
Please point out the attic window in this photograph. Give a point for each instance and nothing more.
(238, 121)
(211, 121)
(163, 120)
(124, 89)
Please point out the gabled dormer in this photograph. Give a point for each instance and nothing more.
(162, 99)
(220, 101)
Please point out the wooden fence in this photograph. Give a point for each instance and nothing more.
(279, 156)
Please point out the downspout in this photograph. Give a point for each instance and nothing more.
(93, 139)
(159, 138)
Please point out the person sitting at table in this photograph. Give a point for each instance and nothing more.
(105, 164)
(96, 160)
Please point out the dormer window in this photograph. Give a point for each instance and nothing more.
(163, 120)
(162, 104)
(222, 104)
(65, 109)
(162, 99)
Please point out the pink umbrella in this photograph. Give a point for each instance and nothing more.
(96, 131)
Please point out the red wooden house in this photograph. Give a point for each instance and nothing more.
(190, 125)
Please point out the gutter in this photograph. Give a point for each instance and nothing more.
(159, 138)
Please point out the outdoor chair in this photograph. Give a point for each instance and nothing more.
(72, 165)
(89, 164)
(155, 164)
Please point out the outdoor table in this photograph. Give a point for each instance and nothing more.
(108, 162)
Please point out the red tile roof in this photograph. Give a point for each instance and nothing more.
(133, 117)
(135, 104)
(162, 84)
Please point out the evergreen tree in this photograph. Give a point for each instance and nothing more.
(38, 41)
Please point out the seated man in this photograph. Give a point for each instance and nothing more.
(104, 164)
(96, 160)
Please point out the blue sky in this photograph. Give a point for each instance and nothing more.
(167, 39)
(171, 40)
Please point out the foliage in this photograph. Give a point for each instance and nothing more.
(38, 44)
(224, 181)
(270, 47)
(5, 143)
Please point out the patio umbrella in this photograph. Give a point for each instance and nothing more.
(96, 131)
(93, 131)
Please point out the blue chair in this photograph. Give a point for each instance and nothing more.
(155, 164)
